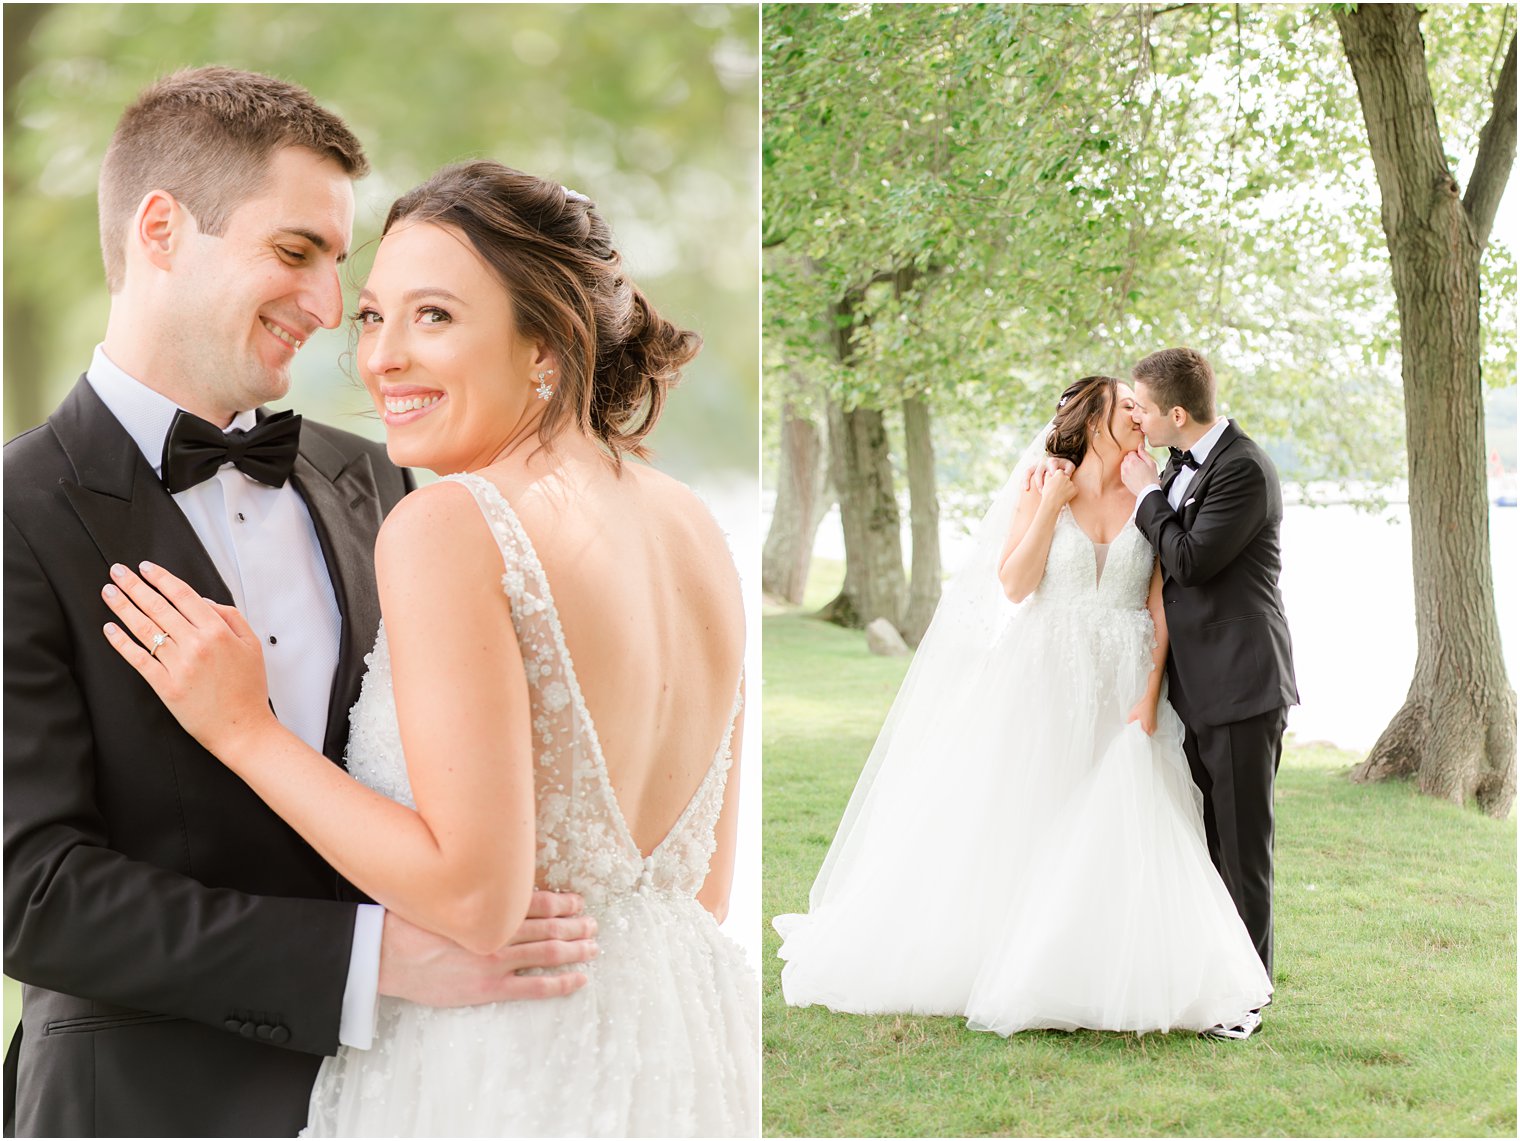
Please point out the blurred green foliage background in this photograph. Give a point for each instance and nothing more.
(651, 110)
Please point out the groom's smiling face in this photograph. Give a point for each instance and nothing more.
(245, 300)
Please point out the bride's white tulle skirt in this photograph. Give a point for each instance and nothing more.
(1123, 922)
(1031, 860)
(663, 1042)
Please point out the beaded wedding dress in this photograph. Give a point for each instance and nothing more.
(1016, 851)
(664, 1039)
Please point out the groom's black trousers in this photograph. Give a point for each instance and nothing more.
(1234, 766)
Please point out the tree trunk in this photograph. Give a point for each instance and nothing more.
(800, 505)
(1456, 730)
(861, 471)
(860, 468)
(923, 517)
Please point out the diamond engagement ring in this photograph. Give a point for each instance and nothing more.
(158, 640)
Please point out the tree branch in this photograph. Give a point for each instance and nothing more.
(1499, 43)
(1496, 154)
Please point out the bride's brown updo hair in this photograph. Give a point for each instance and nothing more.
(1085, 407)
(553, 252)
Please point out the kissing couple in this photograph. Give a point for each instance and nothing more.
(251, 885)
(1079, 764)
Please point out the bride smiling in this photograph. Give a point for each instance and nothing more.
(553, 700)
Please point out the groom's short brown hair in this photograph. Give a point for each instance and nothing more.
(1179, 378)
(206, 135)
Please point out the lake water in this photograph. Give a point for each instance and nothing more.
(1348, 591)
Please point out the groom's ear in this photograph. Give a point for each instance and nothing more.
(159, 227)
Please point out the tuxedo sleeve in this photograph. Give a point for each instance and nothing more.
(1228, 518)
(86, 920)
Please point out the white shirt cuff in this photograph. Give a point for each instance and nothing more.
(1146, 490)
(356, 1025)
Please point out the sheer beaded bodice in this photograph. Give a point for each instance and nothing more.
(1072, 574)
(663, 1039)
(584, 844)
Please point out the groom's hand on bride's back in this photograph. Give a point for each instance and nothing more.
(426, 968)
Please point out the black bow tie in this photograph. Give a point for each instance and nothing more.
(196, 448)
(1184, 459)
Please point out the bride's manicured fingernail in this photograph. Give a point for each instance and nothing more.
(146, 567)
(117, 570)
(110, 591)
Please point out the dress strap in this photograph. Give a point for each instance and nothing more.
(523, 578)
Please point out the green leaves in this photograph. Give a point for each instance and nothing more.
(1082, 185)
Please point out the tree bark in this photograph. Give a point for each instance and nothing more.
(801, 502)
(1456, 730)
(861, 471)
(923, 517)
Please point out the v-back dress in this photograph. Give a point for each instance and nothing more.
(664, 1039)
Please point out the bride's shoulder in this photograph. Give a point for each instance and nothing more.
(434, 527)
(640, 494)
(681, 524)
(671, 495)
(685, 513)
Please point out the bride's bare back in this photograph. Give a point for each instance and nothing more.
(649, 601)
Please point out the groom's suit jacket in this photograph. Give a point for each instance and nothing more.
(1221, 554)
(184, 952)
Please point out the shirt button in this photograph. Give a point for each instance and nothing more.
(240, 517)
(273, 641)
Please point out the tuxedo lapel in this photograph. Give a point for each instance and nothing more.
(345, 509)
(131, 517)
(127, 511)
(1226, 438)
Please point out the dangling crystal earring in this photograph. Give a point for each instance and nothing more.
(545, 389)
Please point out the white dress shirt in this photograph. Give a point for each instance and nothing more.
(1184, 480)
(263, 543)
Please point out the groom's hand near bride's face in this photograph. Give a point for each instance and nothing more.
(426, 968)
(1138, 471)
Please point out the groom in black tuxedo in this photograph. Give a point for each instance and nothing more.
(1214, 518)
(187, 958)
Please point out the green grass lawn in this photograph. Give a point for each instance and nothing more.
(1395, 947)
